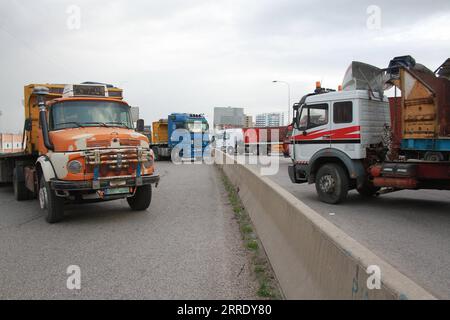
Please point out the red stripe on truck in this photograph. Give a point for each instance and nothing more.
(352, 132)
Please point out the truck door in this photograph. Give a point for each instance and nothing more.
(345, 129)
(313, 132)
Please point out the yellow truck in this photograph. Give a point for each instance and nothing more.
(81, 146)
(160, 139)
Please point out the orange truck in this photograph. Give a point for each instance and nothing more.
(81, 146)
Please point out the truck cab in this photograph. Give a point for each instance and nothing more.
(332, 133)
(192, 141)
(181, 136)
(356, 138)
(81, 147)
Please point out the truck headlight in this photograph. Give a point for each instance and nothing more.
(150, 160)
(74, 166)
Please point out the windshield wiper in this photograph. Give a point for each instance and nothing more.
(96, 122)
(119, 124)
(66, 123)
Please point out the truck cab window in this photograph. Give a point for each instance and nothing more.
(73, 114)
(197, 126)
(313, 116)
(180, 125)
(343, 112)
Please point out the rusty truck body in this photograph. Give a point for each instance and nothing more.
(80, 146)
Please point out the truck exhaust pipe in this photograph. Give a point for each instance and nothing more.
(41, 93)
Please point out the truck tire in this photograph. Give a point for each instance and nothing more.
(230, 151)
(21, 192)
(50, 202)
(434, 156)
(141, 199)
(155, 153)
(332, 183)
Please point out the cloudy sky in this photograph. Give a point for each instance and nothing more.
(193, 55)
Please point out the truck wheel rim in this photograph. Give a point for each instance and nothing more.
(327, 183)
(43, 198)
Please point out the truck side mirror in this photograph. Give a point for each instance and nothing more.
(140, 125)
(28, 124)
(295, 122)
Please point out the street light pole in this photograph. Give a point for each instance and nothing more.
(289, 98)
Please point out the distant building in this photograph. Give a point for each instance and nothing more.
(228, 117)
(248, 121)
(10, 142)
(275, 119)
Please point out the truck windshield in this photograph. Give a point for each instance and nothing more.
(73, 114)
(197, 126)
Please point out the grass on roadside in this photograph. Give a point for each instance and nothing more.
(268, 287)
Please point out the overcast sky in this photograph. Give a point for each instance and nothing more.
(190, 56)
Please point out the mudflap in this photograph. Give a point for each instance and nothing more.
(294, 175)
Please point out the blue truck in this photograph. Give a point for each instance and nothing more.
(182, 136)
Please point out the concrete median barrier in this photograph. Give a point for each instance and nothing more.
(311, 257)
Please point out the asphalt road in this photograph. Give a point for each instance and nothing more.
(186, 246)
(409, 229)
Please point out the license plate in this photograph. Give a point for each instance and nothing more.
(117, 183)
(109, 192)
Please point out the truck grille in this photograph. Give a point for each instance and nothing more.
(116, 158)
(107, 143)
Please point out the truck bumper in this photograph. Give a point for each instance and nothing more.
(103, 184)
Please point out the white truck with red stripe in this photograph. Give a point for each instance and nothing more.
(346, 139)
(333, 133)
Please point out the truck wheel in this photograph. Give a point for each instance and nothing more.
(230, 151)
(50, 202)
(156, 154)
(141, 199)
(332, 183)
(434, 156)
(21, 192)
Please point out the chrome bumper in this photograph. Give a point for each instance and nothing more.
(64, 185)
